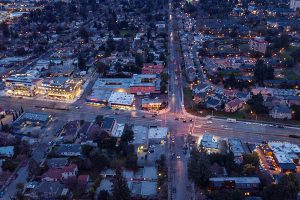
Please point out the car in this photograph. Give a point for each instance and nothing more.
(151, 151)
(143, 116)
(184, 121)
(178, 156)
(77, 107)
(116, 113)
(280, 126)
(176, 118)
(209, 122)
(153, 115)
(191, 120)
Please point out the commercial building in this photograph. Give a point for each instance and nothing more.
(242, 183)
(113, 84)
(22, 84)
(259, 44)
(157, 135)
(121, 100)
(61, 88)
(99, 97)
(145, 84)
(151, 104)
(236, 147)
(209, 143)
(139, 84)
(286, 155)
(31, 119)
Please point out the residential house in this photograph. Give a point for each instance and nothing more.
(243, 96)
(60, 174)
(213, 103)
(233, 105)
(57, 162)
(281, 112)
(69, 150)
(50, 190)
(259, 44)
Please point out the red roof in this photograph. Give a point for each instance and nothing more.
(55, 173)
(83, 179)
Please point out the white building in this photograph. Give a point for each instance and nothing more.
(286, 155)
(22, 84)
(7, 151)
(295, 4)
(157, 135)
(259, 44)
(236, 147)
(121, 100)
(209, 143)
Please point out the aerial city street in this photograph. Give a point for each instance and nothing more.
(150, 99)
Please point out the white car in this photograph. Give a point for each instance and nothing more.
(209, 122)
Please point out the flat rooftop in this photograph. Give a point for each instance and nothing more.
(121, 98)
(236, 146)
(208, 141)
(112, 83)
(236, 179)
(158, 133)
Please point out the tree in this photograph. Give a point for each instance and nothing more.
(101, 67)
(120, 190)
(6, 128)
(249, 169)
(296, 55)
(228, 195)
(263, 72)
(9, 165)
(231, 81)
(104, 195)
(199, 168)
(286, 189)
(81, 62)
(5, 29)
(139, 61)
(257, 104)
(99, 119)
(282, 42)
(291, 185)
(86, 150)
(33, 167)
(127, 136)
(296, 110)
(83, 33)
(251, 158)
